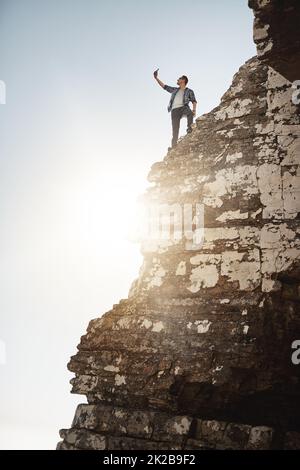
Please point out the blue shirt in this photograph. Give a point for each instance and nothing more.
(188, 95)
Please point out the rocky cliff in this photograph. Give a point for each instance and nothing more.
(199, 355)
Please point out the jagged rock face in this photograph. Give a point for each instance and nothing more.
(204, 339)
(276, 34)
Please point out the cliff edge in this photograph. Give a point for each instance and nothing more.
(199, 354)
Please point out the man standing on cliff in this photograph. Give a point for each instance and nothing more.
(179, 104)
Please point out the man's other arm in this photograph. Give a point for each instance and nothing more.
(194, 101)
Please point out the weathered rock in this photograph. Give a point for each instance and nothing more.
(276, 34)
(199, 355)
(260, 438)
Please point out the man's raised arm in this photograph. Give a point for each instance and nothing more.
(168, 88)
(155, 74)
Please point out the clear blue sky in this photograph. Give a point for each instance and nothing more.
(83, 122)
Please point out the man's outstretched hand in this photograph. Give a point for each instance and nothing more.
(155, 74)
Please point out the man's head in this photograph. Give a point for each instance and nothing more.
(182, 81)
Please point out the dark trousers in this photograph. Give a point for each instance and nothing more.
(176, 115)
